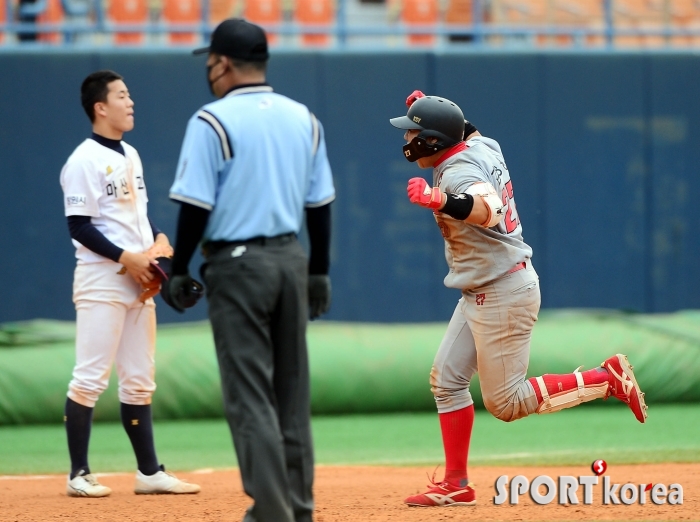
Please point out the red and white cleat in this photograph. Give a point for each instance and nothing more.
(444, 494)
(623, 385)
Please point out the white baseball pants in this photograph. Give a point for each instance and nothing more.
(112, 326)
(489, 333)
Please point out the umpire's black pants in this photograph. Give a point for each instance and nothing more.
(258, 308)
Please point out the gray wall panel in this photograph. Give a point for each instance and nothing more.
(501, 95)
(674, 219)
(386, 252)
(595, 168)
(603, 150)
(41, 122)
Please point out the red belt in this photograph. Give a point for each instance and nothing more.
(517, 267)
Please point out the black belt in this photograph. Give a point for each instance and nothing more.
(212, 247)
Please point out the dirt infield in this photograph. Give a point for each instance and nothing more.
(346, 494)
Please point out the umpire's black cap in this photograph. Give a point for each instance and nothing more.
(238, 39)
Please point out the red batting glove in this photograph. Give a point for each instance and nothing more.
(420, 193)
(413, 97)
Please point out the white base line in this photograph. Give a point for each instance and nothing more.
(27, 477)
(43, 477)
(373, 462)
(202, 471)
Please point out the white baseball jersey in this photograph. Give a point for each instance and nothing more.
(109, 187)
(477, 255)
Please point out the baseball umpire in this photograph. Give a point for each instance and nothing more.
(250, 163)
(116, 245)
(472, 198)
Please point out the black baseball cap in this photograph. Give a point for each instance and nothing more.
(238, 39)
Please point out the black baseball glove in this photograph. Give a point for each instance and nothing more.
(179, 291)
(319, 295)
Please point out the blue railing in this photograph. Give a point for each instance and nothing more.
(92, 20)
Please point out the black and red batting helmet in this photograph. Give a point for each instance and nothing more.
(434, 117)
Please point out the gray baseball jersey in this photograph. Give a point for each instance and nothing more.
(477, 255)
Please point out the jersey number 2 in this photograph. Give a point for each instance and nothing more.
(512, 220)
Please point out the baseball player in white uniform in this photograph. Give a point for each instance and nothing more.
(473, 201)
(105, 202)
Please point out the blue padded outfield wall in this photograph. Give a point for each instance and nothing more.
(604, 151)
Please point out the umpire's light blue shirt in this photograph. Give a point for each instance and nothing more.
(256, 159)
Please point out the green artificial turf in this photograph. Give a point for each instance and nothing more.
(578, 436)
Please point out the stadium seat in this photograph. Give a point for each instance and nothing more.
(520, 13)
(128, 12)
(638, 14)
(220, 10)
(459, 12)
(53, 14)
(319, 13)
(576, 14)
(182, 12)
(3, 18)
(685, 14)
(420, 13)
(264, 12)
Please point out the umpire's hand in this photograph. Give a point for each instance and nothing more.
(319, 295)
(181, 291)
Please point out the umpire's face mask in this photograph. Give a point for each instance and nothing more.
(209, 80)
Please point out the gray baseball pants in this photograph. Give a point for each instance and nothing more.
(258, 309)
(489, 333)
